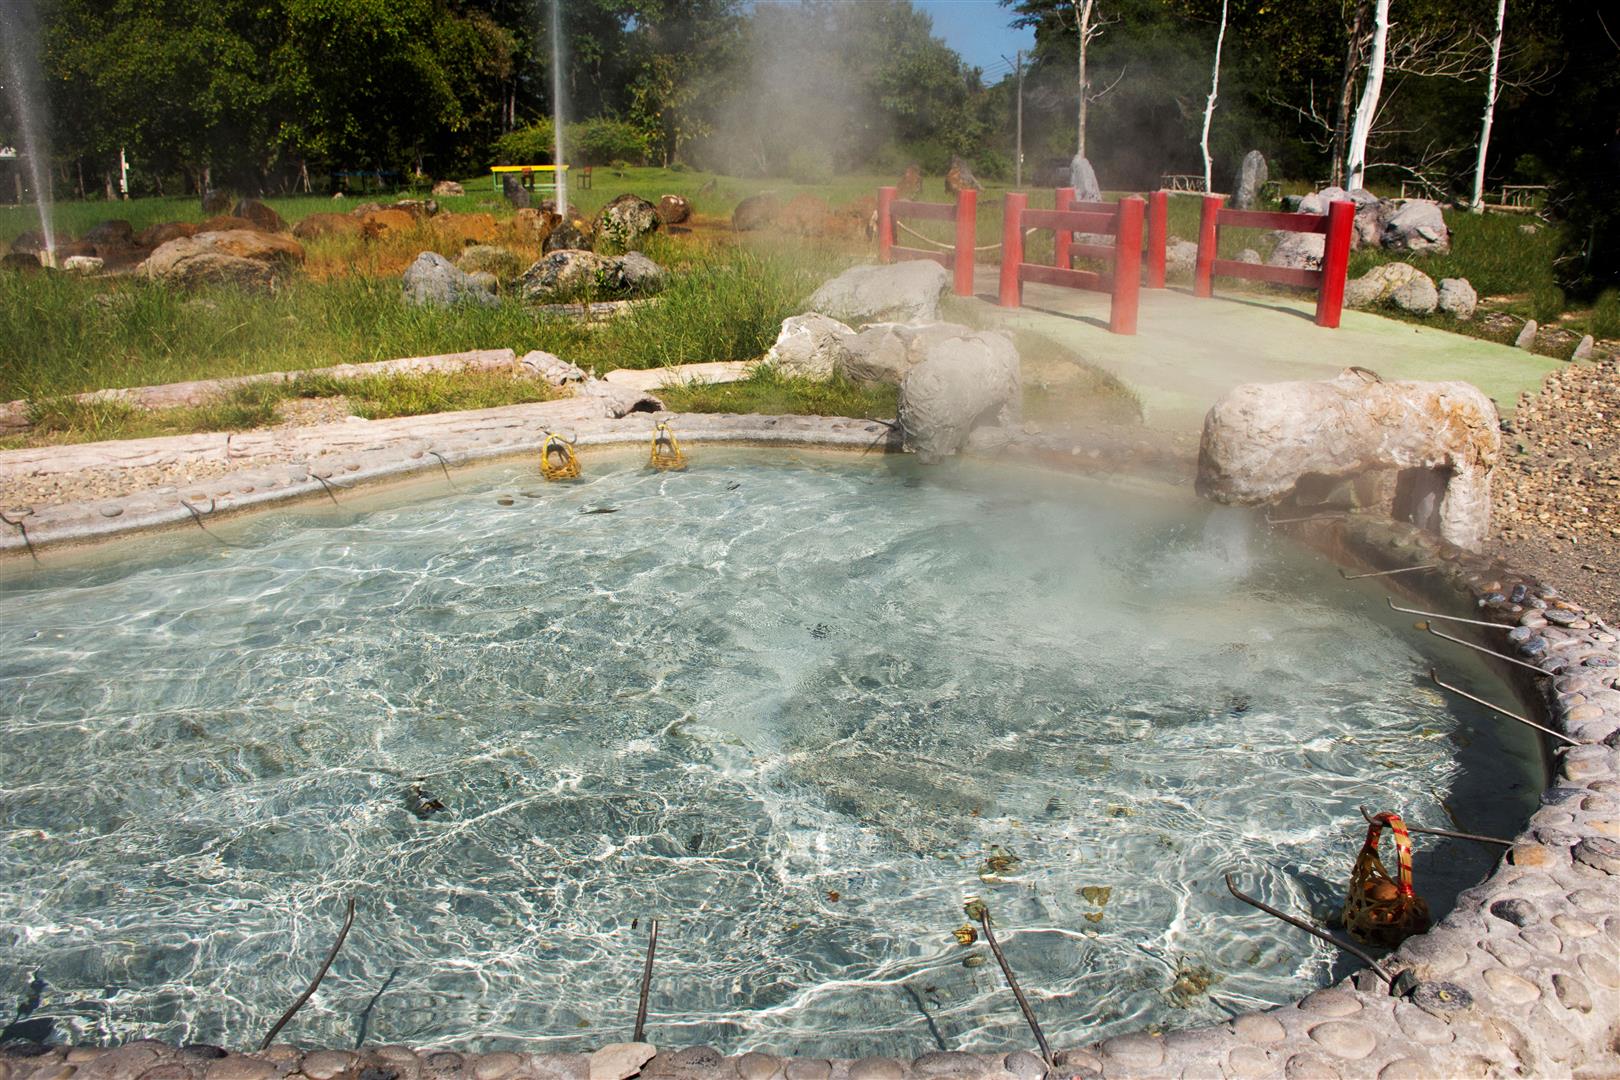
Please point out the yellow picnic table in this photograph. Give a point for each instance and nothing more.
(528, 174)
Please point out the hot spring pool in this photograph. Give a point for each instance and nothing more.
(799, 707)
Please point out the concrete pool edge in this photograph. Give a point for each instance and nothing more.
(1529, 954)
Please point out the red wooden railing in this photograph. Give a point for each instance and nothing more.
(1158, 232)
(1327, 283)
(1121, 220)
(958, 260)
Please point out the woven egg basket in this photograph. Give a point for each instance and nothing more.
(1380, 910)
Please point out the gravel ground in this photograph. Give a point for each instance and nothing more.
(1557, 491)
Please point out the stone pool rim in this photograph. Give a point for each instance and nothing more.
(1521, 977)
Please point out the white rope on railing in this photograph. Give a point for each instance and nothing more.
(947, 247)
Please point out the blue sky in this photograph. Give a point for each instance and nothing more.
(978, 30)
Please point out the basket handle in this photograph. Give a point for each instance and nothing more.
(1403, 847)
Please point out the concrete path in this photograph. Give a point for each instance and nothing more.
(1188, 352)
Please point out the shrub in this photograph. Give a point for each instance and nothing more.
(532, 145)
(1547, 302)
(1605, 321)
(599, 141)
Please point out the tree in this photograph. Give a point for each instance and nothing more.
(1214, 91)
(1355, 158)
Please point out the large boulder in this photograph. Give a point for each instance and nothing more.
(1251, 180)
(756, 212)
(1262, 440)
(959, 177)
(318, 225)
(1417, 225)
(432, 280)
(883, 353)
(960, 384)
(274, 249)
(1418, 296)
(233, 256)
(1083, 178)
(447, 187)
(261, 215)
(640, 275)
(902, 291)
(155, 235)
(184, 262)
(112, 237)
(1378, 284)
(625, 223)
(570, 273)
(376, 224)
(1299, 251)
(1457, 298)
(486, 259)
(534, 225)
(811, 345)
(1180, 256)
(515, 192)
(568, 235)
(674, 209)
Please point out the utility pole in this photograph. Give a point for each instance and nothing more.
(1018, 157)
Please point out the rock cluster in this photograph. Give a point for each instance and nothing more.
(903, 291)
(1414, 225)
(433, 280)
(234, 256)
(1410, 289)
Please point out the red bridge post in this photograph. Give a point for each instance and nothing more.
(1335, 263)
(967, 228)
(1127, 265)
(1158, 224)
(885, 226)
(1012, 248)
(1208, 238)
(1062, 239)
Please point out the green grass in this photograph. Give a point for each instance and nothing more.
(254, 405)
(68, 334)
(769, 391)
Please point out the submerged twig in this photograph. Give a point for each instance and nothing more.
(646, 983)
(348, 921)
(1444, 832)
(17, 523)
(1012, 983)
(1387, 573)
(443, 465)
(328, 485)
(1449, 618)
(1498, 709)
(1323, 935)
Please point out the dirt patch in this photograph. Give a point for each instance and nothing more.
(1557, 489)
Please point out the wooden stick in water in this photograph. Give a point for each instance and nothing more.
(348, 921)
(646, 983)
(1313, 931)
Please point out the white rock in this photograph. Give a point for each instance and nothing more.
(1417, 225)
(961, 384)
(1458, 298)
(1417, 296)
(1262, 439)
(82, 264)
(1299, 251)
(620, 1061)
(1379, 284)
(903, 291)
(1527, 336)
(810, 345)
(554, 369)
(1583, 351)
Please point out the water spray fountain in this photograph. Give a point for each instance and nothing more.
(557, 108)
(19, 44)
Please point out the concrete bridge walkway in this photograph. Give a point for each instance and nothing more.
(1188, 352)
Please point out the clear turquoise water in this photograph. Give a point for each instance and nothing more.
(788, 704)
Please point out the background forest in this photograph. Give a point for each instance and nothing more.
(274, 95)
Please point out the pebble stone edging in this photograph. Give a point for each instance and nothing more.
(1521, 978)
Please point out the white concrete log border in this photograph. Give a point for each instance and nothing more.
(1522, 978)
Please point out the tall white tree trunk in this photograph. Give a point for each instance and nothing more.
(1082, 22)
(1209, 105)
(1477, 204)
(1355, 158)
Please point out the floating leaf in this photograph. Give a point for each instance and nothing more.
(1093, 916)
(999, 862)
(965, 934)
(1116, 810)
(1097, 894)
(976, 960)
(975, 909)
(1192, 981)
(834, 895)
